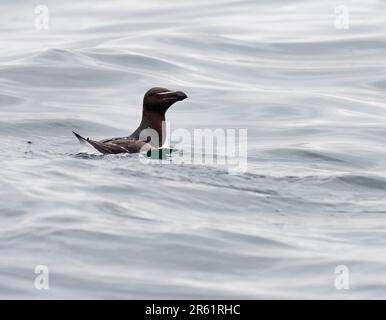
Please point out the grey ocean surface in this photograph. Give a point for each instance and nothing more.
(312, 97)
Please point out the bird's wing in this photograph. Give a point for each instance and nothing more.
(131, 145)
(113, 146)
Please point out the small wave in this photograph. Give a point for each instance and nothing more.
(367, 182)
(51, 127)
(75, 76)
(55, 55)
(6, 100)
(308, 154)
(131, 60)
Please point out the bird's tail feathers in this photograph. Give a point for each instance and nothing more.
(88, 147)
(82, 141)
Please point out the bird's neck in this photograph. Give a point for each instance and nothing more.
(154, 121)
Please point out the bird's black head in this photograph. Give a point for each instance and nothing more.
(160, 99)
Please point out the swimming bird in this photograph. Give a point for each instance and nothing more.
(149, 134)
